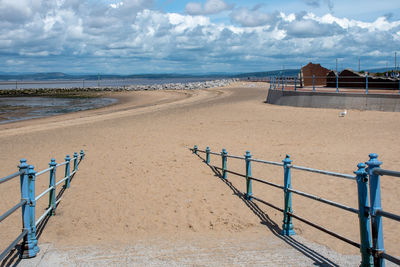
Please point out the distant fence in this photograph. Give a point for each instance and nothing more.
(28, 175)
(334, 83)
(370, 215)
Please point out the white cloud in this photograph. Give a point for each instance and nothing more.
(252, 18)
(131, 37)
(210, 7)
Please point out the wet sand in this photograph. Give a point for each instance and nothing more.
(139, 180)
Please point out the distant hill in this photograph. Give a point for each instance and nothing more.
(288, 72)
(48, 76)
(379, 70)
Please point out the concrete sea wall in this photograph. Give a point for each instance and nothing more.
(334, 100)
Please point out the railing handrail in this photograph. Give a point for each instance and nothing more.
(9, 177)
(329, 173)
(44, 171)
(28, 200)
(379, 171)
(369, 214)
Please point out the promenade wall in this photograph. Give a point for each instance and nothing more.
(334, 100)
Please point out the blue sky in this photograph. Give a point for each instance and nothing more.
(201, 36)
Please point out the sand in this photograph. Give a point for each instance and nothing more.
(139, 180)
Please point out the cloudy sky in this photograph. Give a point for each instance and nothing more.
(200, 36)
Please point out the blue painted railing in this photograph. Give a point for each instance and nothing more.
(370, 215)
(284, 82)
(27, 174)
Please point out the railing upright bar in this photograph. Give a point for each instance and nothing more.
(287, 227)
(28, 246)
(32, 204)
(364, 217)
(223, 156)
(67, 171)
(208, 155)
(313, 82)
(249, 186)
(376, 219)
(75, 161)
(52, 183)
(295, 84)
(195, 149)
(82, 154)
(366, 84)
(337, 83)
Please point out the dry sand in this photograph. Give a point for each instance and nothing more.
(139, 180)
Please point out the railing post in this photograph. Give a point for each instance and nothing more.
(249, 186)
(223, 155)
(208, 155)
(287, 227)
(270, 83)
(75, 161)
(366, 84)
(399, 86)
(364, 217)
(375, 197)
(67, 171)
(52, 183)
(28, 246)
(283, 83)
(82, 154)
(295, 84)
(337, 83)
(195, 149)
(313, 82)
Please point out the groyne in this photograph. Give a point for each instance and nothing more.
(339, 100)
(134, 87)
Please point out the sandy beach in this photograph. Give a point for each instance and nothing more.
(139, 181)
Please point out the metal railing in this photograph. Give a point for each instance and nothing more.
(27, 174)
(337, 83)
(370, 215)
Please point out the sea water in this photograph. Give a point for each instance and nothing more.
(23, 108)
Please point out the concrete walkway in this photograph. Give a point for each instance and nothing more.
(245, 250)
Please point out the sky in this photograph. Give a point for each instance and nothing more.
(200, 36)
